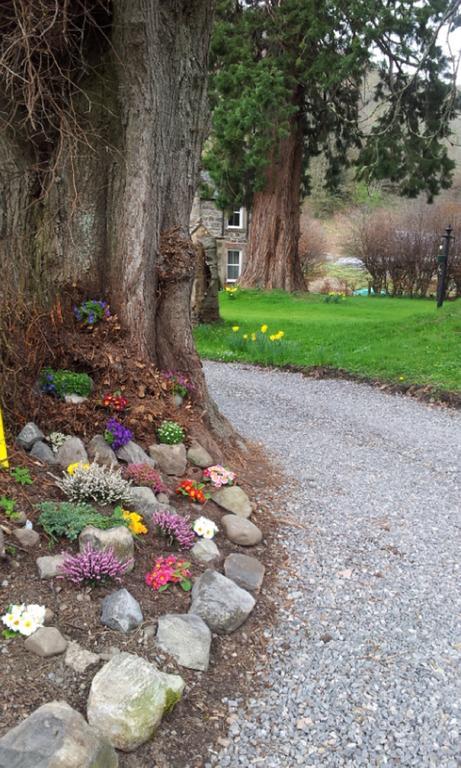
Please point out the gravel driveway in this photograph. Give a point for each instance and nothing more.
(364, 663)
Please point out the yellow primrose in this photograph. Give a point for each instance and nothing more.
(235, 328)
(135, 523)
(263, 328)
(72, 467)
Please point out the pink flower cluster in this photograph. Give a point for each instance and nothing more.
(218, 476)
(169, 570)
(93, 566)
(143, 474)
(176, 529)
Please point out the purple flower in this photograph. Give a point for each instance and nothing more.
(93, 566)
(176, 529)
(116, 435)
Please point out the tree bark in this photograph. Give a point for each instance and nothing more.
(272, 259)
(100, 225)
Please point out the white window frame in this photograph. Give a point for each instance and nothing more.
(240, 212)
(240, 254)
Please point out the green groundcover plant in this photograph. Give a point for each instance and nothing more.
(68, 520)
(62, 382)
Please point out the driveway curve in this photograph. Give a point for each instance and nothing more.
(363, 665)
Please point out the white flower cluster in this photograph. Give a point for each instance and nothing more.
(94, 482)
(56, 439)
(205, 528)
(24, 619)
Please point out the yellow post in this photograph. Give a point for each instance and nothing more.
(3, 452)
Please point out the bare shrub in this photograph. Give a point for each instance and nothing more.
(312, 248)
(399, 248)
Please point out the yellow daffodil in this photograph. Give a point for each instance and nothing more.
(235, 328)
(253, 337)
(245, 336)
(263, 328)
(272, 337)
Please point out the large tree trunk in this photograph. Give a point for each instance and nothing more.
(100, 225)
(272, 259)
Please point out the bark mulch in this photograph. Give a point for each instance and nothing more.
(200, 721)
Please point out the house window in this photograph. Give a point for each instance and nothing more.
(234, 266)
(235, 219)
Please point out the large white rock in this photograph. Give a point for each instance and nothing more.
(55, 736)
(221, 604)
(128, 698)
(199, 456)
(101, 452)
(71, 451)
(132, 453)
(187, 638)
(234, 500)
(241, 531)
(171, 459)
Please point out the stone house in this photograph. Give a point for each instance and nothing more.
(228, 231)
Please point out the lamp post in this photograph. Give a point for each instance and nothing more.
(442, 265)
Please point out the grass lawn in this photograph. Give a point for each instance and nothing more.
(406, 340)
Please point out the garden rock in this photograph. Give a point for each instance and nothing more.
(205, 551)
(163, 498)
(120, 611)
(199, 456)
(132, 453)
(128, 698)
(246, 571)
(54, 736)
(29, 435)
(234, 500)
(79, 659)
(100, 452)
(187, 638)
(27, 537)
(70, 452)
(74, 399)
(119, 539)
(142, 498)
(43, 453)
(220, 602)
(241, 531)
(170, 458)
(46, 641)
(49, 566)
(178, 400)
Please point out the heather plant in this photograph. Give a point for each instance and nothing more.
(174, 528)
(104, 485)
(170, 433)
(65, 519)
(116, 435)
(145, 475)
(94, 566)
(62, 383)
